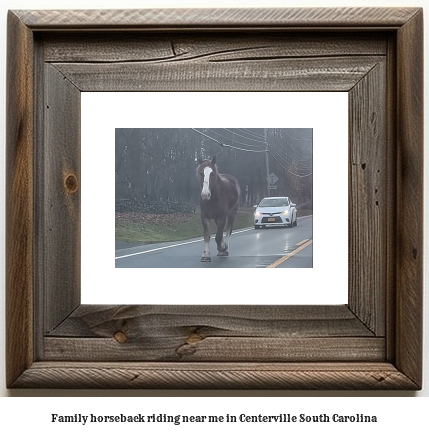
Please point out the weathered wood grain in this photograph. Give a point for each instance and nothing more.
(40, 260)
(330, 74)
(19, 200)
(367, 199)
(409, 260)
(195, 348)
(179, 47)
(391, 191)
(213, 333)
(160, 322)
(187, 19)
(61, 208)
(215, 376)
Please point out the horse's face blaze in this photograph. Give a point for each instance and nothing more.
(206, 193)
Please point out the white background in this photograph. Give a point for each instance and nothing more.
(399, 414)
(326, 113)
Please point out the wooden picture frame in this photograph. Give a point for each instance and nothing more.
(373, 342)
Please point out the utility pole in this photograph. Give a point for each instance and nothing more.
(266, 163)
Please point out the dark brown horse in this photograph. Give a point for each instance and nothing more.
(219, 202)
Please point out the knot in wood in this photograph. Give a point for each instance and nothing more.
(193, 338)
(120, 337)
(71, 183)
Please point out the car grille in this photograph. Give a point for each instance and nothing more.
(271, 219)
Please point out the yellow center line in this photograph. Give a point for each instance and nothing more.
(297, 250)
(301, 242)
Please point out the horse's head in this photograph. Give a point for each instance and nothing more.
(206, 172)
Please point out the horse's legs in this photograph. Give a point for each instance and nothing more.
(231, 219)
(226, 244)
(222, 246)
(206, 254)
(228, 230)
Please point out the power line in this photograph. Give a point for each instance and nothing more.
(290, 146)
(290, 160)
(297, 139)
(227, 145)
(253, 133)
(289, 153)
(238, 142)
(303, 134)
(245, 137)
(288, 170)
(253, 151)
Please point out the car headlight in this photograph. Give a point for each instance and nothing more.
(286, 212)
(257, 214)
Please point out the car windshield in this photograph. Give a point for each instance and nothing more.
(274, 202)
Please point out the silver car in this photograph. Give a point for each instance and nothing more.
(275, 211)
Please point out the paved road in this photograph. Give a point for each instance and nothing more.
(249, 248)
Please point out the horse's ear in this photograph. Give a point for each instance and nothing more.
(214, 160)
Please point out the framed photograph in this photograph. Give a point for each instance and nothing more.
(156, 193)
(80, 82)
